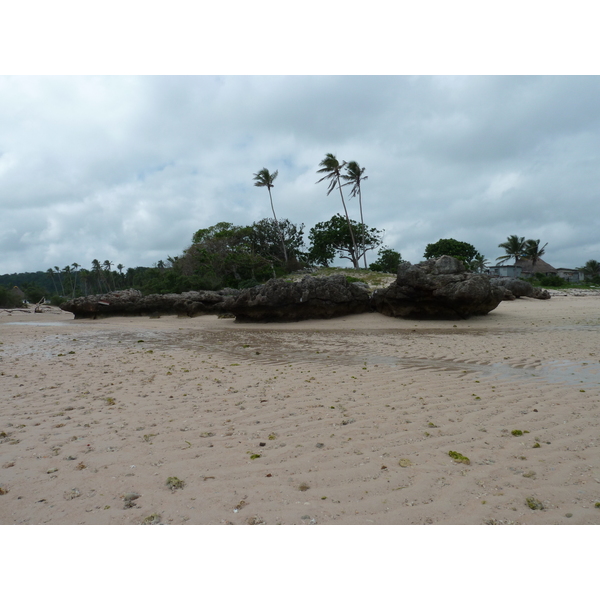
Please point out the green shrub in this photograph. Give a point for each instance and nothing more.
(387, 262)
(551, 280)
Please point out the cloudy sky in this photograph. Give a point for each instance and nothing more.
(128, 168)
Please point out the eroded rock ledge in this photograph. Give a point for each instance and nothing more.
(435, 289)
(128, 303)
(310, 298)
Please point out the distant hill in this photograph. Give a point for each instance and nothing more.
(20, 279)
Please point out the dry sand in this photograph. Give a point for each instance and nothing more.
(348, 421)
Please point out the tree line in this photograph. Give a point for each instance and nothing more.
(228, 255)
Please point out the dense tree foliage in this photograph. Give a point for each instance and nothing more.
(332, 239)
(227, 255)
(264, 238)
(388, 261)
(451, 247)
(467, 253)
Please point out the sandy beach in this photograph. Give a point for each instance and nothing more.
(347, 421)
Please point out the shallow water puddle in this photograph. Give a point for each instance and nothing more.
(281, 348)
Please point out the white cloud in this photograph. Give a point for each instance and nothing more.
(128, 168)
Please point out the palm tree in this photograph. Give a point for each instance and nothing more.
(533, 252)
(514, 248)
(60, 280)
(97, 270)
(84, 275)
(332, 167)
(354, 175)
(107, 266)
(120, 268)
(591, 269)
(479, 263)
(50, 273)
(75, 267)
(67, 271)
(265, 179)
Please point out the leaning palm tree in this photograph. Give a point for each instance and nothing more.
(332, 167)
(514, 248)
(353, 176)
(265, 179)
(533, 252)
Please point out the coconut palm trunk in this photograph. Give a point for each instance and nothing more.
(354, 247)
(362, 222)
(354, 175)
(50, 273)
(285, 256)
(332, 167)
(60, 280)
(265, 179)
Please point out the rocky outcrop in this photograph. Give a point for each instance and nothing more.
(438, 288)
(540, 294)
(516, 288)
(310, 298)
(133, 303)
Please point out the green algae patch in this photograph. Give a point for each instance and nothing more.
(153, 519)
(534, 504)
(458, 457)
(174, 483)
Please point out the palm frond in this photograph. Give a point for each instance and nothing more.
(264, 178)
(353, 176)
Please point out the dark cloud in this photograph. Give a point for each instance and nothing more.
(127, 168)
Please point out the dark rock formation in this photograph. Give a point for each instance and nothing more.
(515, 288)
(310, 298)
(438, 288)
(132, 303)
(540, 294)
